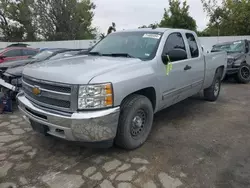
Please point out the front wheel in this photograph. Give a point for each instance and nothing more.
(243, 75)
(135, 122)
(212, 93)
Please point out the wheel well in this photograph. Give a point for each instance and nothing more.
(220, 70)
(147, 92)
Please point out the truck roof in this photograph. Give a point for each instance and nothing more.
(158, 29)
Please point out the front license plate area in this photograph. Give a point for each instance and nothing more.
(40, 128)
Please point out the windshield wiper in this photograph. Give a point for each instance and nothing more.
(95, 53)
(119, 55)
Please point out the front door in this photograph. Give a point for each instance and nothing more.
(174, 77)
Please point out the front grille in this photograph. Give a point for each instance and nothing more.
(43, 85)
(54, 102)
(53, 95)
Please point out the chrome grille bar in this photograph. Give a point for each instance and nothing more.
(53, 95)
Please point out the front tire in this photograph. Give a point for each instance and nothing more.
(212, 93)
(135, 122)
(243, 75)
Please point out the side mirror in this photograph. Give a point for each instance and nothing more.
(177, 54)
(2, 57)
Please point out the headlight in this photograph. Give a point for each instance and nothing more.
(230, 61)
(95, 96)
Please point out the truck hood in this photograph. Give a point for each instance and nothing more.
(234, 55)
(76, 70)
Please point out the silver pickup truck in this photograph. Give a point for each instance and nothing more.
(111, 95)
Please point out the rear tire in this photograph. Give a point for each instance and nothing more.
(135, 122)
(212, 93)
(243, 75)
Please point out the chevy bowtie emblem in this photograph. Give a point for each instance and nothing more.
(36, 90)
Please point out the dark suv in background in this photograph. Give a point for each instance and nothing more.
(238, 59)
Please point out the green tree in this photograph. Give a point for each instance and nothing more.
(230, 18)
(65, 19)
(153, 25)
(30, 20)
(177, 16)
(17, 20)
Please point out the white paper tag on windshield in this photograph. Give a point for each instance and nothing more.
(238, 42)
(152, 36)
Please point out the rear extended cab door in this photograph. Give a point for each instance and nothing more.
(196, 61)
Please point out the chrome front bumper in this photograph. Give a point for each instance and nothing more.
(90, 126)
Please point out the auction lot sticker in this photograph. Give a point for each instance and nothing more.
(152, 36)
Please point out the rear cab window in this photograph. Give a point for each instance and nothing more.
(193, 46)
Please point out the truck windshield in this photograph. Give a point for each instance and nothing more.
(238, 46)
(142, 45)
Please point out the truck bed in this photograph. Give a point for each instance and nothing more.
(212, 62)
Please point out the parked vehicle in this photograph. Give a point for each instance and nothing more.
(111, 94)
(18, 45)
(12, 76)
(41, 56)
(238, 59)
(16, 53)
(44, 49)
(21, 62)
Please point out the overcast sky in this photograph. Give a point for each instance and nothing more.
(129, 14)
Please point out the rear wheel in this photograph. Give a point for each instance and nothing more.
(243, 75)
(212, 93)
(135, 122)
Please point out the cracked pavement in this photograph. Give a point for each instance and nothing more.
(192, 144)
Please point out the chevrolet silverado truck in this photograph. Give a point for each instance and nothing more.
(111, 95)
(238, 59)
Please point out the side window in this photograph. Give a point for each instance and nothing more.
(174, 41)
(27, 52)
(13, 53)
(192, 45)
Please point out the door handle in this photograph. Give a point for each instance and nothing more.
(187, 67)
